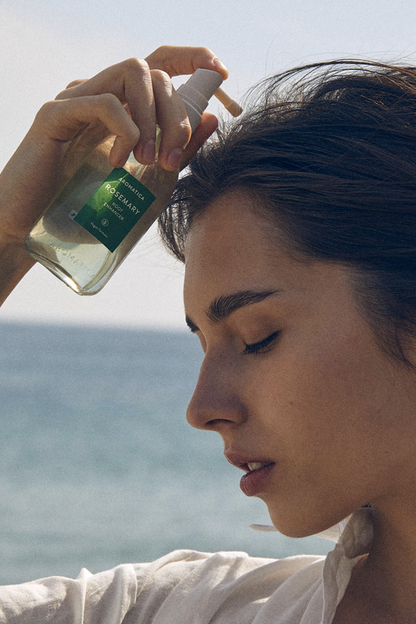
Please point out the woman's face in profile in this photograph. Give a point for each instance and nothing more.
(292, 375)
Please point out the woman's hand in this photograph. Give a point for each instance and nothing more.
(124, 100)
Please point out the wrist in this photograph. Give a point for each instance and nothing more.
(15, 262)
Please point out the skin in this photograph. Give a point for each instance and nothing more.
(322, 400)
(124, 100)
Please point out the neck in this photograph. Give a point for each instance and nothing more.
(387, 577)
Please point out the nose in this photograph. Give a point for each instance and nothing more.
(216, 404)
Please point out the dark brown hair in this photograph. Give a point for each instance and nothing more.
(329, 151)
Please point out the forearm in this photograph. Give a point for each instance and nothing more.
(15, 262)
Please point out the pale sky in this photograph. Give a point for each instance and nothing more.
(44, 44)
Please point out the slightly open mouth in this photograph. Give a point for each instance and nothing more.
(255, 481)
(252, 466)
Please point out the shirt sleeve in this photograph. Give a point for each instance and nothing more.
(134, 593)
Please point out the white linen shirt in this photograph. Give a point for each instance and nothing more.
(190, 587)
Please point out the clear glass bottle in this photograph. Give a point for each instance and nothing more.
(102, 212)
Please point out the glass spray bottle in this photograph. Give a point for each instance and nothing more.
(102, 212)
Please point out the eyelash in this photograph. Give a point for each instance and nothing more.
(262, 346)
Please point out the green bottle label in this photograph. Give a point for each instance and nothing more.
(115, 208)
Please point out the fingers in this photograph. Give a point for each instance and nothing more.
(172, 120)
(136, 91)
(60, 120)
(131, 83)
(181, 60)
(74, 83)
(144, 90)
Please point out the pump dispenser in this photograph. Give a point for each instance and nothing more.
(102, 212)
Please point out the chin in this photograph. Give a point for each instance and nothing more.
(302, 522)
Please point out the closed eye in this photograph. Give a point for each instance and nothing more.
(262, 346)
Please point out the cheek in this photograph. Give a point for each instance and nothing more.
(324, 391)
(322, 421)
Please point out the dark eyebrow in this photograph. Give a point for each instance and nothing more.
(225, 305)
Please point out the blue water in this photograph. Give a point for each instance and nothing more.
(97, 463)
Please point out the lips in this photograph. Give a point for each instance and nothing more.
(248, 463)
(255, 482)
(255, 479)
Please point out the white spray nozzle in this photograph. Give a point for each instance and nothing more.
(197, 91)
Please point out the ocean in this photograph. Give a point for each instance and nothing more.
(98, 465)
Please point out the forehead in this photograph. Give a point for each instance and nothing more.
(230, 247)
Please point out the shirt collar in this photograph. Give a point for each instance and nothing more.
(354, 541)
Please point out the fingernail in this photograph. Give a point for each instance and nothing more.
(220, 66)
(174, 158)
(149, 150)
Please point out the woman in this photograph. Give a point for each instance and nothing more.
(297, 231)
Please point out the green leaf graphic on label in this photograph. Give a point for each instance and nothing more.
(115, 208)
